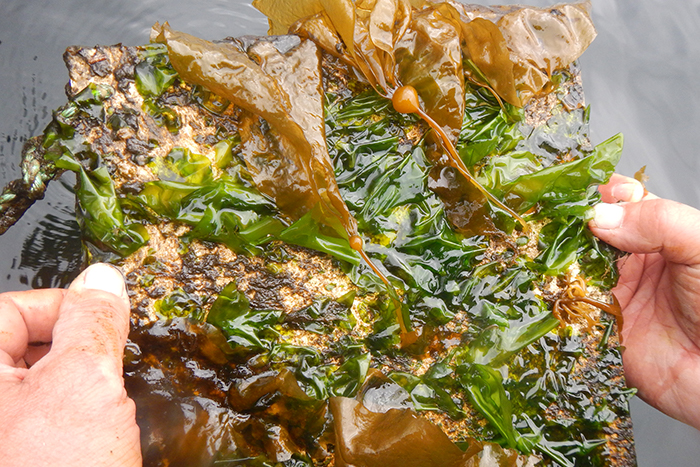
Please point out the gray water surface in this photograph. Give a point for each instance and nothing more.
(640, 78)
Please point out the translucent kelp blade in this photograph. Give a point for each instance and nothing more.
(281, 14)
(352, 23)
(539, 40)
(319, 29)
(546, 40)
(551, 38)
(379, 25)
(429, 59)
(297, 173)
(394, 438)
(367, 29)
(342, 14)
(387, 22)
(485, 46)
(298, 76)
(397, 437)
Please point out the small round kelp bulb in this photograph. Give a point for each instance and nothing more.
(405, 100)
(356, 242)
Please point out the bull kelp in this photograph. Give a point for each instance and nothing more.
(230, 181)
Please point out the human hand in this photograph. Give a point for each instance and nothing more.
(69, 408)
(659, 292)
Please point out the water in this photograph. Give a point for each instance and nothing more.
(640, 77)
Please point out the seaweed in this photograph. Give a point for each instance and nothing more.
(496, 334)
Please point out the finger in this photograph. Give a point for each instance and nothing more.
(27, 317)
(621, 188)
(651, 226)
(93, 320)
(6, 360)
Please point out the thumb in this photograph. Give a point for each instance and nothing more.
(93, 320)
(650, 226)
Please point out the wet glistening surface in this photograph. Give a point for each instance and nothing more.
(640, 78)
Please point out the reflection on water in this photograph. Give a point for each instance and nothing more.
(44, 249)
(52, 250)
(640, 77)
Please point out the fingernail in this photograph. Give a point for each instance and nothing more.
(630, 191)
(103, 277)
(608, 216)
